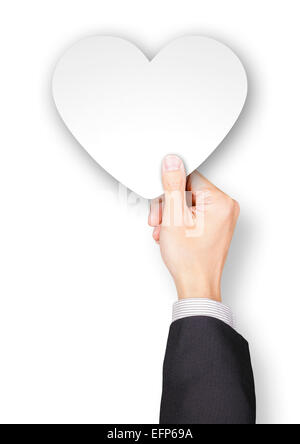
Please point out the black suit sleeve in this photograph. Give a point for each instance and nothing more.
(207, 375)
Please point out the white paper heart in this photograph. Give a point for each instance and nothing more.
(128, 113)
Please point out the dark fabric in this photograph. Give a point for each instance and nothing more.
(207, 376)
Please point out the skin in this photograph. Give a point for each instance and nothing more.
(194, 238)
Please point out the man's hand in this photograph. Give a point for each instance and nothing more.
(194, 223)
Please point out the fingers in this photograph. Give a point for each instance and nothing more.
(196, 181)
(199, 186)
(170, 209)
(155, 213)
(205, 193)
(173, 174)
(156, 233)
(174, 182)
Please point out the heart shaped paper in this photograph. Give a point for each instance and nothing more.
(128, 113)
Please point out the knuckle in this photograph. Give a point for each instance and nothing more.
(237, 207)
(231, 207)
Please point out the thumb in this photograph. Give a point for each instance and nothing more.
(174, 181)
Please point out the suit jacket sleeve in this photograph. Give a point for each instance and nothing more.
(207, 375)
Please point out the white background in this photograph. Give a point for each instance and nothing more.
(85, 301)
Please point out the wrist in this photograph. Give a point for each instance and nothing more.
(202, 289)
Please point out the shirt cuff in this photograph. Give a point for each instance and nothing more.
(202, 307)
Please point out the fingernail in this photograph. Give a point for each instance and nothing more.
(172, 163)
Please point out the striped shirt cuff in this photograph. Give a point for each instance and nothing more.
(202, 307)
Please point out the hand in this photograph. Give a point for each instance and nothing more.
(194, 223)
